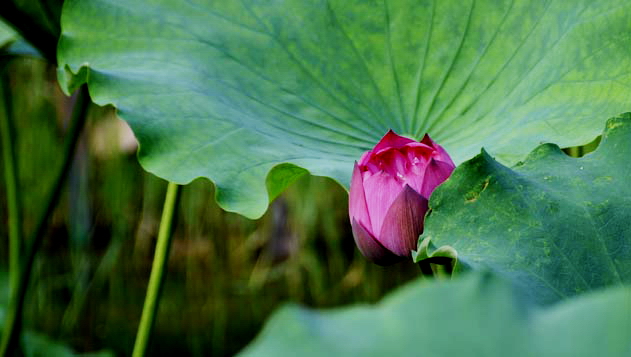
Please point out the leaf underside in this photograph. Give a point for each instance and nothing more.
(231, 90)
(475, 315)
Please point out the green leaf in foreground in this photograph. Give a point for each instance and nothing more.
(555, 224)
(231, 90)
(475, 315)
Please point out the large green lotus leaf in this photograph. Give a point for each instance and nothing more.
(477, 315)
(230, 90)
(555, 224)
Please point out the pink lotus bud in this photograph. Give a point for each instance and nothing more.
(390, 187)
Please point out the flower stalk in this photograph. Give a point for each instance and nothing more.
(156, 280)
(7, 136)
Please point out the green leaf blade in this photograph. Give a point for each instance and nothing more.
(437, 319)
(478, 314)
(557, 225)
(315, 84)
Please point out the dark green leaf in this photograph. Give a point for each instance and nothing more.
(557, 225)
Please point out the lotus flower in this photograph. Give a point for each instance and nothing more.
(390, 187)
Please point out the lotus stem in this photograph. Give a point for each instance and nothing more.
(150, 307)
(10, 177)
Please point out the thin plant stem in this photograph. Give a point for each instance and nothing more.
(150, 307)
(11, 179)
(13, 321)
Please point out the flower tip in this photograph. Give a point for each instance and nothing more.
(391, 140)
(427, 140)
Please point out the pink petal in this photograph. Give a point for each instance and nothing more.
(415, 181)
(418, 150)
(372, 167)
(357, 208)
(428, 141)
(391, 140)
(403, 222)
(418, 158)
(394, 163)
(365, 158)
(370, 247)
(435, 173)
(440, 154)
(423, 146)
(380, 190)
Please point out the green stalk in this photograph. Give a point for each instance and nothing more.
(13, 321)
(150, 308)
(11, 179)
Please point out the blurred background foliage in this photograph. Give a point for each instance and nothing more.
(226, 274)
